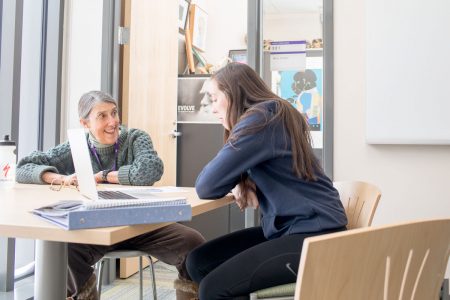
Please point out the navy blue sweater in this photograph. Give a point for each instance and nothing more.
(288, 204)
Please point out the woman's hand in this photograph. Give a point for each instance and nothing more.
(246, 197)
(58, 179)
(98, 177)
(112, 177)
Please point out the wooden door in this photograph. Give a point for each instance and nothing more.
(150, 76)
(149, 82)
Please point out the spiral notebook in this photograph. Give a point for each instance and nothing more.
(63, 207)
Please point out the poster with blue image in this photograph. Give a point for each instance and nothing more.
(303, 89)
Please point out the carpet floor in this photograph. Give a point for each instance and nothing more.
(128, 289)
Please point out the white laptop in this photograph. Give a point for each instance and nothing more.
(85, 173)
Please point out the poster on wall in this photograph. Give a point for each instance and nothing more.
(304, 90)
(194, 105)
(287, 55)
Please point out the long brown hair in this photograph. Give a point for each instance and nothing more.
(244, 90)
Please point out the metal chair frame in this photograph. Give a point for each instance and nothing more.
(126, 254)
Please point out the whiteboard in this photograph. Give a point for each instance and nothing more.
(408, 72)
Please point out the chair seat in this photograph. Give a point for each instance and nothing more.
(284, 291)
(125, 253)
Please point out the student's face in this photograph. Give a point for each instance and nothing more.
(219, 103)
(103, 122)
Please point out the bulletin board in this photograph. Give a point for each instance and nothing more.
(408, 72)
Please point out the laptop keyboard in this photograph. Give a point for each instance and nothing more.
(114, 195)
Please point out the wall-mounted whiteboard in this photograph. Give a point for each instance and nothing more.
(408, 72)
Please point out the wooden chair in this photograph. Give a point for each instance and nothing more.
(404, 261)
(360, 200)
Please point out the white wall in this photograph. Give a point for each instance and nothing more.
(288, 27)
(227, 27)
(414, 180)
(82, 56)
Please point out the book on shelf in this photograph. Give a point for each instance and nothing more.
(77, 214)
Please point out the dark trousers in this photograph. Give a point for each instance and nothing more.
(170, 244)
(234, 265)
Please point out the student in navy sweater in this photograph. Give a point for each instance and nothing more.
(267, 161)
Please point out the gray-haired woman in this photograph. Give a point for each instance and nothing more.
(118, 155)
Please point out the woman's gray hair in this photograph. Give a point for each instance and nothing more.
(90, 99)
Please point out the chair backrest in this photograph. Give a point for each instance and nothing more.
(360, 200)
(404, 261)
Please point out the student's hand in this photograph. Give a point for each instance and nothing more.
(246, 198)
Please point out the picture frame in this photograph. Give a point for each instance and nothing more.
(183, 12)
(238, 55)
(198, 22)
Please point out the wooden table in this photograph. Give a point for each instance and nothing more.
(51, 245)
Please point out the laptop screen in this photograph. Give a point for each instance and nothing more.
(82, 163)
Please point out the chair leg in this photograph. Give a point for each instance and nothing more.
(140, 279)
(100, 276)
(152, 278)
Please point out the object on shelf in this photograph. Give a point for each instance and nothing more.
(198, 21)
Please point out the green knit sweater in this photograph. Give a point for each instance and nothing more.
(138, 162)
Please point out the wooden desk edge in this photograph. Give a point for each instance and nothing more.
(100, 236)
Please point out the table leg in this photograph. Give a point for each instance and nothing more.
(251, 217)
(50, 276)
(7, 256)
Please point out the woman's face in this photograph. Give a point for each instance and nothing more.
(219, 103)
(103, 122)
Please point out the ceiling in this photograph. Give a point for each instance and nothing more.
(292, 6)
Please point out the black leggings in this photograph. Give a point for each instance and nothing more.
(236, 264)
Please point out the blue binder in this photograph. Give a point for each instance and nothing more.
(78, 217)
